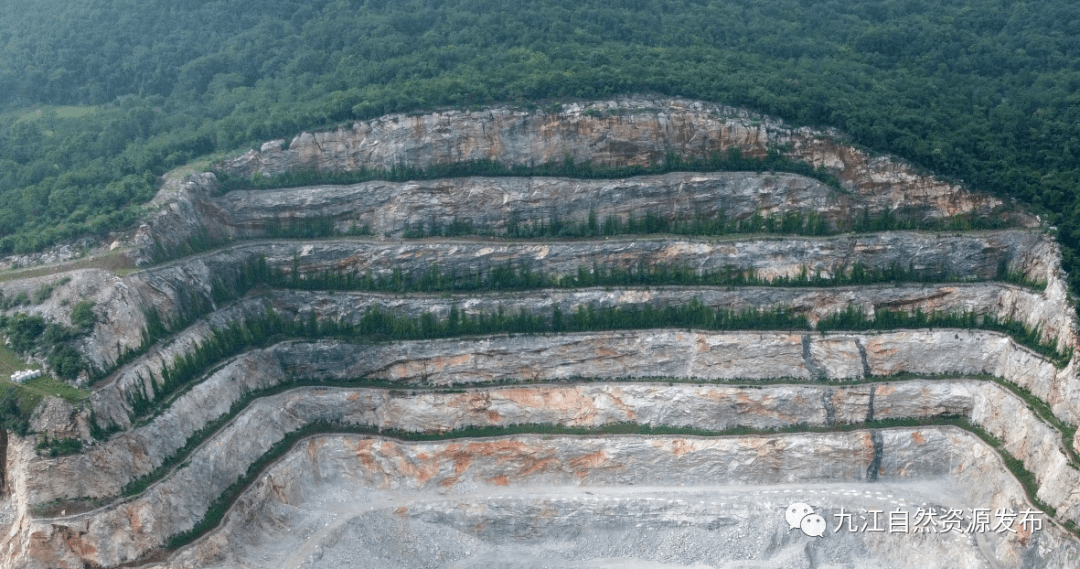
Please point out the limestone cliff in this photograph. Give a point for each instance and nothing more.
(628, 131)
(175, 289)
(113, 536)
(443, 493)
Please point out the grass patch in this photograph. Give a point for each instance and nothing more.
(48, 385)
(58, 447)
(204, 163)
(55, 111)
(18, 401)
(10, 362)
(64, 507)
(114, 261)
(40, 387)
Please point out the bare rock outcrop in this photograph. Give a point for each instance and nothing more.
(105, 469)
(110, 403)
(627, 131)
(675, 378)
(326, 468)
(624, 132)
(182, 288)
(926, 453)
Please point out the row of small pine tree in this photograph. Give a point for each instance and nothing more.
(380, 325)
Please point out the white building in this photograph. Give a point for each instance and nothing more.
(25, 375)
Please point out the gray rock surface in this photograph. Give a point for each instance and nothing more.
(333, 494)
(990, 298)
(627, 131)
(975, 255)
(699, 501)
(105, 469)
(389, 208)
(178, 501)
(688, 354)
(174, 288)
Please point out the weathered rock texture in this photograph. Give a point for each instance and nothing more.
(989, 298)
(174, 289)
(711, 407)
(104, 470)
(720, 355)
(975, 256)
(442, 483)
(470, 465)
(732, 355)
(633, 131)
(630, 131)
(388, 209)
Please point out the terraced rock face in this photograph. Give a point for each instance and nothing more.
(425, 374)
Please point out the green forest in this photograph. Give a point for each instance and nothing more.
(98, 99)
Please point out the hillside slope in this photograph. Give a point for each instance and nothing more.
(289, 387)
(101, 97)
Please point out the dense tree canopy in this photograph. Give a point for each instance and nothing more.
(986, 91)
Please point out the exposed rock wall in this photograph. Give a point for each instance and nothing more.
(105, 469)
(731, 355)
(172, 289)
(971, 255)
(389, 208)
(399, 468)
(632, 131)
(628, 131)
(121, 534)
(720, 355)
(1003, 300)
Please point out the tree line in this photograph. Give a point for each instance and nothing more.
(377, 324)
(977, 91)
(519, 276)
(733, 160)
(810, 223)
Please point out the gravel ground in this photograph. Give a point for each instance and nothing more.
(599, 528)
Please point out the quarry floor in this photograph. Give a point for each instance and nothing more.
(637, 527)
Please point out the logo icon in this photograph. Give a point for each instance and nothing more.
(802, 516)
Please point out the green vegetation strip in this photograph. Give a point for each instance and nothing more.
(787, 223)
(139, 485)
(379, 325)
(510, 276)
(775, 160)
(257, 273)
(216, 511)
(976, 90)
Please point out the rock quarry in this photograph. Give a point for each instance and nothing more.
(643, 367)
